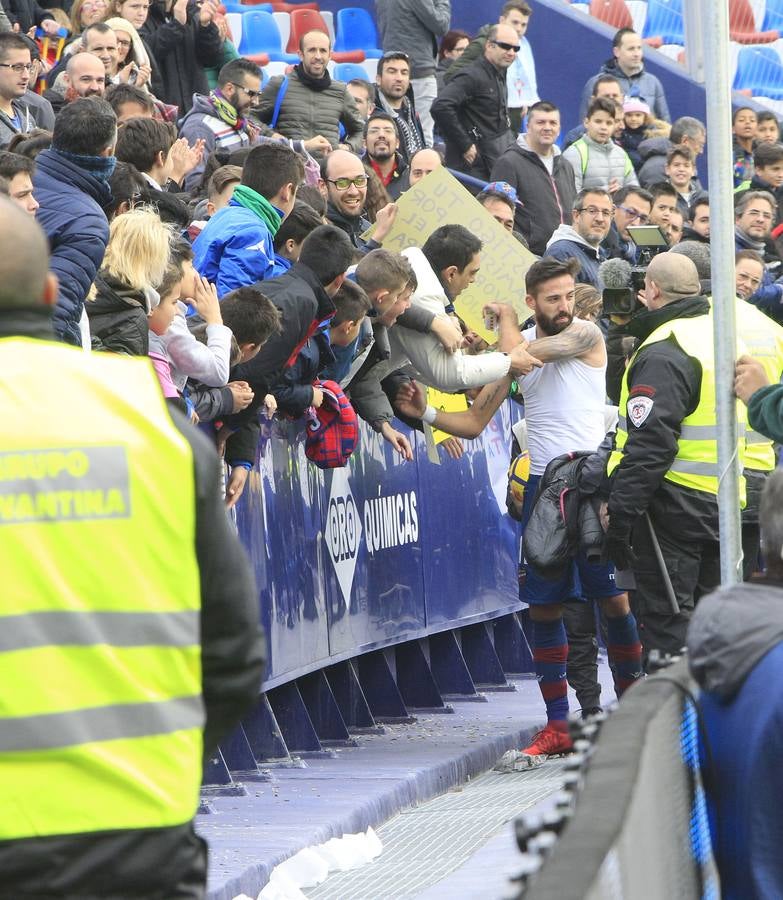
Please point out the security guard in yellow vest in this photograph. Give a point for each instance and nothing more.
(763, 340)
(665, 461)
(129, 634)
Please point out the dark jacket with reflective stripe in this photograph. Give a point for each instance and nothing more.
(672, 380)
(161, 863)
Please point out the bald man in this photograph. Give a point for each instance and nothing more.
(75, 774)
(471, 111)
(84, 76)
(665, 461)
(422, 163)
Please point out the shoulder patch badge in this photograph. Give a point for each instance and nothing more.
(639, 408)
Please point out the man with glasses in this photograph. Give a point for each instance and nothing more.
(346, 187)
(309, 105)
(394, 94)
(471, 112)
(219, 120)
(632, 206)
(754, 216)
(380, 138)
(416, 26)
(592, 217)
(15, 66)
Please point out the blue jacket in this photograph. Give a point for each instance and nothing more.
(735, 652)
(71, 213)
(235, 249)
(567, 243)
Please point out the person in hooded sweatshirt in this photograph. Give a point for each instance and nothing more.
(592, 217)
(735, 652)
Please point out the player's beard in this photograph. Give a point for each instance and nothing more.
(551, 326)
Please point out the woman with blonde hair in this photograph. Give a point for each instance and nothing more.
(124, 291)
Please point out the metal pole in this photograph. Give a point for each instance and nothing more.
(714, 15)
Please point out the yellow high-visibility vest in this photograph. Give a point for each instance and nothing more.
(763, 339)
(696, 463)
(100, 663)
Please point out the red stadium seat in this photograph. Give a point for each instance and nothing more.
(612, 12)
(304, 20)
(742, 26)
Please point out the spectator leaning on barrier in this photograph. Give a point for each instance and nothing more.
(686, 132)
(219, 119)
(595, 158)
(394, 95)
(627, 65)
(309, 105)
(158, 676)
(72, 186)
(592, 217)
(236, 246)
(735, 652)
(471, 111)
(415, 26)
(381, 139)
(542, 178)
(665, 461)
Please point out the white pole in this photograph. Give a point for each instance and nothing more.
(714, 15)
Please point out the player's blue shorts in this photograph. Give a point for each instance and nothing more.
(586, 580)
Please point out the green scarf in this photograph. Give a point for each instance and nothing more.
(253, 201)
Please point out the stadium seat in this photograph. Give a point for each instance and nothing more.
(759, 70)
(260, 36)
(742, 25)
(283, 20)
(356, 31)
(234, 21)
(664, 21)
(328, 18)
(638, 11)
(349, 71)
(276, 68)
(242, 8)
(773, 15)
(304, 20)
(612, 12)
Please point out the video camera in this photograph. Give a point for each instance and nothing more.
(622, 281)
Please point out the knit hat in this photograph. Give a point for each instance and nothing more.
(634, 104)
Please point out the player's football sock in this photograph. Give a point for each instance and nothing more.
(550, 653)
(625, 651)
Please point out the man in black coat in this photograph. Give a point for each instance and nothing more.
(471, 112)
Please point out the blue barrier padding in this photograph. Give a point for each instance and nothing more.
(380, 552)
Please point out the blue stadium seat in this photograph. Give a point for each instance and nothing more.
(241, 8)
(664, 21)
(773, 16)
(348, 71)
(356, 31)
(261, 35)
(759, 70)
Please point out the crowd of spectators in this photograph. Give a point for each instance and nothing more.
(221, 225)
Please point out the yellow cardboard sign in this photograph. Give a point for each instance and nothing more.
(439, 199)
(447, 403)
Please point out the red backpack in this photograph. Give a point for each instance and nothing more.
(332, 430)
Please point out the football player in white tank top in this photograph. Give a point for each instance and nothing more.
(550, 294)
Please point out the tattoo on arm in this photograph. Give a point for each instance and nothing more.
(574, 341)
(489, 399)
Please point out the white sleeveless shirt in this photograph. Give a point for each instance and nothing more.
(564, 408)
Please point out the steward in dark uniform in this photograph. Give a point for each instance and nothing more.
(665, 460)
